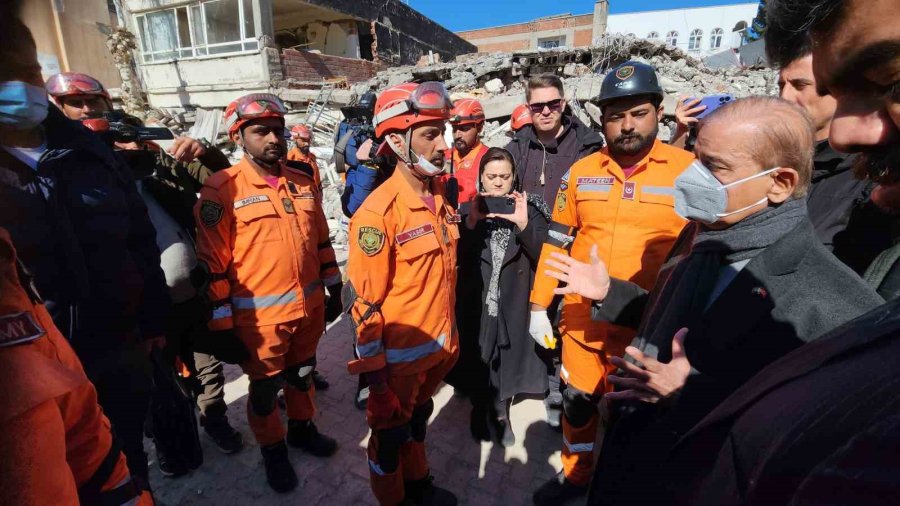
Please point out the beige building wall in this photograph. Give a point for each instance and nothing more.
(71, 38)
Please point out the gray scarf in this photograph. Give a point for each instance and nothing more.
(501, 231)
(687, 289)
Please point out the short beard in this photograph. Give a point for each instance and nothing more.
(881, 165)
(618, 147)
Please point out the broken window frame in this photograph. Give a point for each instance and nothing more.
(247, 43)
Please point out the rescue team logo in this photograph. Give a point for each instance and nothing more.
(560, 201)
(595, 180)
(288, 205)
(625, 72)
(211, 213)
(628, 190)
(371, 240)
(19, 328)
(253, 199)
(415, 233)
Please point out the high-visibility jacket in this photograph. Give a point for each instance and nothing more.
(56, 443)
(402, 273)
(267, 249)
(465, 169)
(631, 220)
(295, 155)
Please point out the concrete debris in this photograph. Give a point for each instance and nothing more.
(494, 86)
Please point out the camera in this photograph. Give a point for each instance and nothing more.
(117, 126)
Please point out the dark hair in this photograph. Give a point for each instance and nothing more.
(497, 155)
(790, 23)
(544, 81)
(17, 48)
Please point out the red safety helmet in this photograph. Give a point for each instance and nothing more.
(65, 84)
(251, 107)
(400, 107)
(521, 116)
(467, 111)
(301, 132)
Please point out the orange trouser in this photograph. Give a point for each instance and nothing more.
(414, 392)
(583, 369)
(274, 348)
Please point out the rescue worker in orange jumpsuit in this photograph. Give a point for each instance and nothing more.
(619, 201)
(401, 291)
(56, 443)
(467, 121)
(520, 117)
(262, 233)
(302, 137)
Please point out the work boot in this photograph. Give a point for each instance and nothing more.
(423, 492)
(279, 472)
(170, 467)
(226, 438)
(362, 398)
(303, 434)
(557, 491)
(320, 382)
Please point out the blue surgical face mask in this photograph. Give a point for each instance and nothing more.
(699, 196)
(22, 105)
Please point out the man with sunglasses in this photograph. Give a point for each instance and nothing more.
(621, 201)
(262, 233)
(467, 120)
(554, 141)
(401, 292)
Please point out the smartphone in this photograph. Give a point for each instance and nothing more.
(712, 103)
(498, 205)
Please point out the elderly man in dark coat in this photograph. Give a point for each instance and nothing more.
(746, 283)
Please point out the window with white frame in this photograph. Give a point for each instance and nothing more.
(695, 39)
(672, 38)
(653, 35)
(715, 38)
(214, 27)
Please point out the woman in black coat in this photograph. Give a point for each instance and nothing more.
(497, 257)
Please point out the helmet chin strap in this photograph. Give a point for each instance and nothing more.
(411, 159)
(254, 159)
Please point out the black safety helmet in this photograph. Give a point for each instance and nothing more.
(630, 79)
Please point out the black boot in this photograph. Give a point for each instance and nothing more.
(279, 472)
(226, 438)
(500, 426)
(423, 492)
(303, 434)
(320, 382)
(557, 491)
(170, 467)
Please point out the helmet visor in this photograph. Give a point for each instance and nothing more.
(428, 99)
(257, 105)
(73, 84)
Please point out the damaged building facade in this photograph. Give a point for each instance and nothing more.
(203, 53)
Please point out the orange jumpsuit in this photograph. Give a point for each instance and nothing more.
(295, 155)
(402, 267)
(54, 438)
(633, 223)
(270, 257)
(466, 169)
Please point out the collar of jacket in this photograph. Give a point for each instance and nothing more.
(658, 154)
(827, 162)
(785, 255)
(248, 169)
(397, 187)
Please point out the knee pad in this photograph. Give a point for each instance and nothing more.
(263, 393)
(418, 423)
(578, 406)
(300, 376)
(389, 443)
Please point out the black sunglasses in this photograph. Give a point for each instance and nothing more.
(553, 105)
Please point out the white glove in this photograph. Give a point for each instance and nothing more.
(541, 330)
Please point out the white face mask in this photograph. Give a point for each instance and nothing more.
(422, 167)
(699, 196)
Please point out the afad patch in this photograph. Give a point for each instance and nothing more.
(560, 201)
(19, 328)
(625, 72)
(211, 213)
(371, 240)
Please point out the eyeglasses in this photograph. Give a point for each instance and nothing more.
(553, 105)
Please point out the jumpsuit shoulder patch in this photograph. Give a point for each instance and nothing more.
(18, 328)
(561, 201)
(371, 240)
(211, 213)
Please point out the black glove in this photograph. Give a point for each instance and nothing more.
(333, 306)
(224, 345)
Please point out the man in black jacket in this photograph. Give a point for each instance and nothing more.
(846, 220)
(747, 282)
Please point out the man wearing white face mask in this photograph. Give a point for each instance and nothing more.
(747, 282)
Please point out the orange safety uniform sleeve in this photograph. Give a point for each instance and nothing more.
(369, 271)
(214, 216)
(563, 228)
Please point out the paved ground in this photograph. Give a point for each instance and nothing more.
(480, 474)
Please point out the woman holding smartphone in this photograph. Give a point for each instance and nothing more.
(499, 247)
